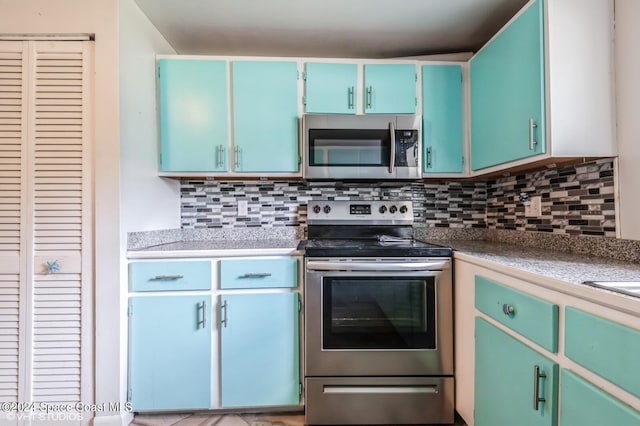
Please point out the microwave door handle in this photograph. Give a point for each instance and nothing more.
(392, 155)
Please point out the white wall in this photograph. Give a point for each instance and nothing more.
(628, 115)
(147, 201)
(97, 17)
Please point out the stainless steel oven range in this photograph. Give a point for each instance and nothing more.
(378, 318)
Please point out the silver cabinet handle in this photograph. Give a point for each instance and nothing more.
(532, 141)
(537, 375)
(203, 306)
(223, 314)
(236, 157)
(369, 96)
(220, 156)
(167, 277)
(392, 154)
(508, 310)
(429, 157)
(350, 95)
(256, 275)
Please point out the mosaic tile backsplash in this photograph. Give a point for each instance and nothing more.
(213, 204)
(576, 200)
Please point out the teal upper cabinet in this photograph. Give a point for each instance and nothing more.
(507, 93)
(331, 88)
(170, 352)
(390, 88)
(194, 115)
(265, 116)
(260, 350)
(542, 87)
(442, 122)
(507, 374)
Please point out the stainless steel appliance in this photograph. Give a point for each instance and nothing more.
(361, 146)
(378, 318)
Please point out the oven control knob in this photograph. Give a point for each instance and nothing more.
(403, 209)
(327, 209)
(382, 209)
(393, 209)
(316, 209)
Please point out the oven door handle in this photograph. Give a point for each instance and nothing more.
(323, 265)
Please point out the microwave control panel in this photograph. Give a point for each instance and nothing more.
(407, 147)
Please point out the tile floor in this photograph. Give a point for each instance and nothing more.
(203, 419)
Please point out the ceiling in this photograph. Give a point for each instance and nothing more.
(328, 28)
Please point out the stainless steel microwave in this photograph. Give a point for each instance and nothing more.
(381, 147)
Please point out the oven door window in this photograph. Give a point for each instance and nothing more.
(349, 148)
(378, 313)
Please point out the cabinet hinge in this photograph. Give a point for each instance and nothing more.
(130, 309)
(463, 160)
(304, 100)
(299, 160)
(129, 392)
(299, 388)
(416, 76)
(158, 72)
(304, 76)
(299, 305)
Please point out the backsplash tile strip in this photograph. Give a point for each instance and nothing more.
(213, 204)
(576, 200)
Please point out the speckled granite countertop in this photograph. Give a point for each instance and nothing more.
(571, 268)
(217, 248)
(553, 269)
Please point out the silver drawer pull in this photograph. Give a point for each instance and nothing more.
(508, 310)
(167, 277)
(379, 389)
(256, 275)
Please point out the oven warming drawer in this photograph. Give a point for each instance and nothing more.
(381, 400)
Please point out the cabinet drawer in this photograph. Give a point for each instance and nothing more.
(584, 404)
(160, 276)
(258, 273)
(534, 318)
(605, 347)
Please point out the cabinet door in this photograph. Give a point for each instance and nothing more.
(507, 91)
(505, 380)
(442, 119)
(194, 115)
(265, 116)
(260, 355)
(584, 404)
(170, 352)
(331, 88)
(390, 88)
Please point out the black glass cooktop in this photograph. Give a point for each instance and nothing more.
(385, 247)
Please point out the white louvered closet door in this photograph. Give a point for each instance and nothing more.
(51, 289)
(13, 167)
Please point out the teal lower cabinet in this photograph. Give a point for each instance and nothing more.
(170, 352)
(259, 349)
(507, 375)
(583, 404)
(609, 349)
